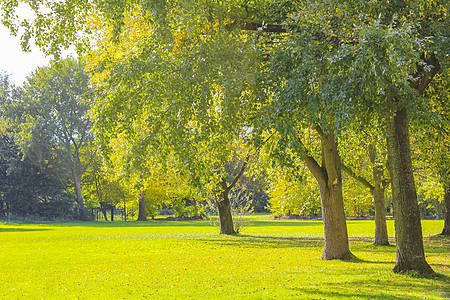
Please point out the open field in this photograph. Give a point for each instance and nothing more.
(167, 260)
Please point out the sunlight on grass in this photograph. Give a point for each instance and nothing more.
(158, 259)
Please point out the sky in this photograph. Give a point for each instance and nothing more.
(14, 61)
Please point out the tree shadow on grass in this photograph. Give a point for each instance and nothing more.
(290, 223)
(358, 260)
(375, 288)
(254, 241)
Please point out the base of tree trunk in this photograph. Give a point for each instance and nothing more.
(225, 216)
(342, 256)
(381, 241)
(422, 268)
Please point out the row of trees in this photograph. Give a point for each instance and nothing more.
(49, 156)
(186, 86)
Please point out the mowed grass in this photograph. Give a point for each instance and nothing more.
(177, 260)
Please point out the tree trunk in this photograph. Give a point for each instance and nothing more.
(103, 209)
(446, 230)
(408, 229)
(141, 215)
(112, 213)
(329, 178)
(224, 208)
(226, 219)
(381, 234)
(77, 181)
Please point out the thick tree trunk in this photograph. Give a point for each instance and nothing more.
(82, 209)
(329, 178)
(141, 214)
(381, 234)
(335, 226)
(408, 229)
(225, 216)
(446, 230)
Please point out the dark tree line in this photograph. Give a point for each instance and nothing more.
(26, 191)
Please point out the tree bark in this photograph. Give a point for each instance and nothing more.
(381, 234)
(408, 229)
(446, 230)
(141, 214)
(82, 209)
(224, 203)
(329, 179)
(224, 207)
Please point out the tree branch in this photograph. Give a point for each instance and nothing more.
(423, 76)
(318, 172)
(238, 176)
(357, 177)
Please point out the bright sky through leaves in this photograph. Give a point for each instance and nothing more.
(15, 61)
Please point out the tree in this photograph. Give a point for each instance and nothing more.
(372, 61)
(373, 159)
(431, 141)
(299, 101)
(53, 128)
(385, 69)
(194, 93)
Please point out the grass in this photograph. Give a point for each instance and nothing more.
(173, 260)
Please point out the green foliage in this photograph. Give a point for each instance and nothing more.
(50, 118)
(27, 192)
(292, 197)
(174, 260)
(358, 201)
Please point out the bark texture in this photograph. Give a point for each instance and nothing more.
(408, 229)
(381, 234)
(446, 230)
(224, 207)
(329, 178)
(378, 189)
(142, 215)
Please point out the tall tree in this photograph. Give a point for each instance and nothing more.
(364, 154)
(300, 98)
(53, 128)
(385, 68)
(195, 80)
(432, 140)
(380, 67)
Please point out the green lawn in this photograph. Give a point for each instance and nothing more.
(173, 260)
